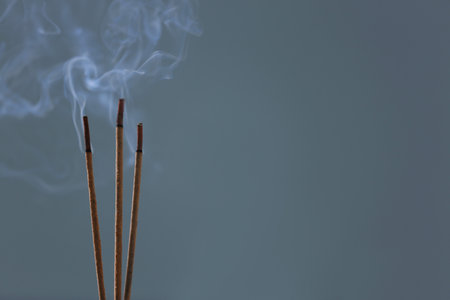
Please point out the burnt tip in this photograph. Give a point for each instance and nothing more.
(120, 111)
(87, 136)
(140, 138)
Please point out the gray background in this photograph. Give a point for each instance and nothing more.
(300, 152)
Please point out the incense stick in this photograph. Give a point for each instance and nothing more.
(94, 216)
(119, 204)
(134, 212)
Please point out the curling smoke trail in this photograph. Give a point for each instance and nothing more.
(79, 57)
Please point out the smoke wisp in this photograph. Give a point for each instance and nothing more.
(63, 59)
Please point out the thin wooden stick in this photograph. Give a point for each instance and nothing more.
(94, 216)
(134, 212)
(119, 204)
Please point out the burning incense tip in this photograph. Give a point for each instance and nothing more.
(139, 137)
(87, 137)
(120, 113)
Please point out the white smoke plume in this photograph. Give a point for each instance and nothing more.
(61, 59)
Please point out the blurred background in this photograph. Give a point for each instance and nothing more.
(299, 152)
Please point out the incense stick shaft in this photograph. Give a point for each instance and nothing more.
(95, 228)
(119, 204)
(94, 216)
(134, 215)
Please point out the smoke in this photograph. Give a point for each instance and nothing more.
(61, 59)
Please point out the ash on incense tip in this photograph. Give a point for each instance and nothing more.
(87, 137)
(120, 113)
(139, 137)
